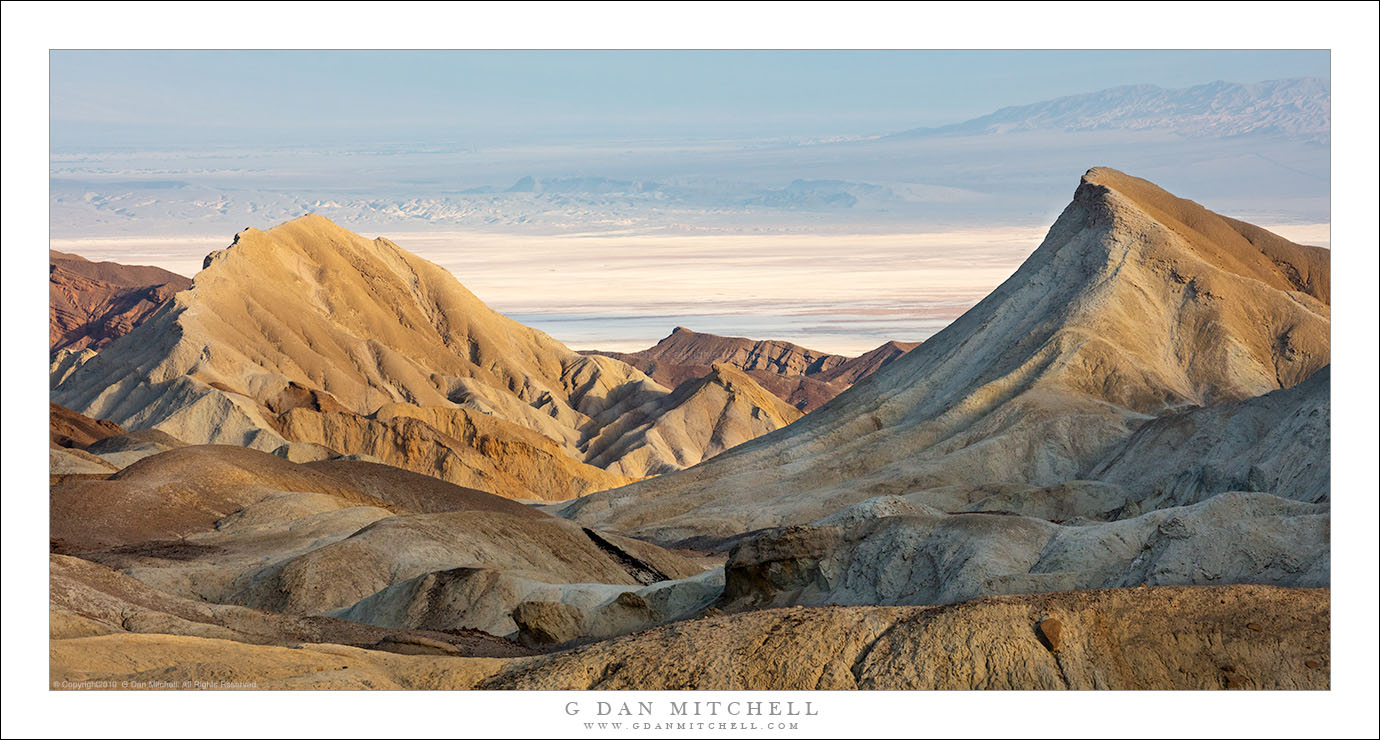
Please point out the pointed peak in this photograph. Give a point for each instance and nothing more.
(679, 332)
(310, 230)
(1105, 192)
(1128, 185)
(1139, 191)
(1225, 243)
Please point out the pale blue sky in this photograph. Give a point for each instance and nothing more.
(111, 98)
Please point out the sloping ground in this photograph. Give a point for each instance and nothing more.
(1158, 523)
(412, 492)
(1137, 304)
(170, 496)
(82, 446)
(804, 378)
(187, 490)
(313, 341)
(64, 462)
(87, 599)
(1243, 637)
(92, 303)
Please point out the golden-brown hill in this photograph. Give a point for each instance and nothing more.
(313, 341)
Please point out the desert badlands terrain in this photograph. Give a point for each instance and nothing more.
(322, 462)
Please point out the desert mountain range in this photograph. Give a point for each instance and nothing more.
(1113, 472)
(1295, 107)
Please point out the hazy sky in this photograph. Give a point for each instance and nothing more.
(103, 98)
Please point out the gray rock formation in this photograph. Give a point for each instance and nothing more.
(489, 600)
(927, 557)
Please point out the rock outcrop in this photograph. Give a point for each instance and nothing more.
(1115, 639)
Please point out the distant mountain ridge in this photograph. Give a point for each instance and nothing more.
(802, 377)
(1294, 107)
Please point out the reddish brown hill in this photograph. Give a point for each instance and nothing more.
(802, 377)
(91, 304)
